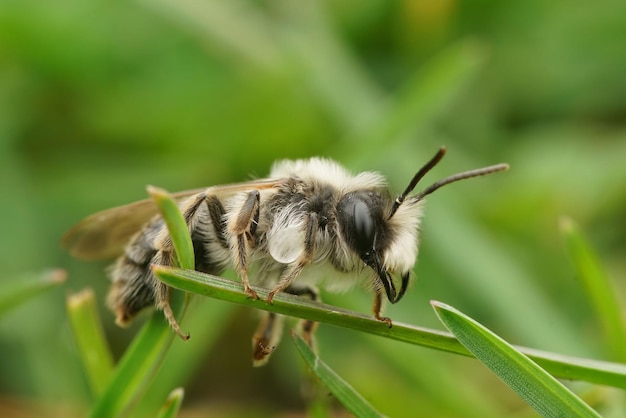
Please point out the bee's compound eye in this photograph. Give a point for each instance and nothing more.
(357, 223)
(364, 227)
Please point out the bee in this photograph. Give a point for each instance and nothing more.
(310, 224)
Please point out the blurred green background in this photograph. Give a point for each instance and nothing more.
(100, 98)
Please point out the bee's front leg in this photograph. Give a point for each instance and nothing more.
(378, 308)
(242, 227)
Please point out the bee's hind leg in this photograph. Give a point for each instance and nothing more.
(165, 256)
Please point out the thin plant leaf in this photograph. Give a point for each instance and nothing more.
(567, 367)
(532, 383)
(90, 340)
(138, 365)
(181, 360)
(172, 405)
(344, 393)
(181, 240)
(22, 289)
(598, 287)
(144, 356)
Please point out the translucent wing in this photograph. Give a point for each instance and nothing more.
(105, 234)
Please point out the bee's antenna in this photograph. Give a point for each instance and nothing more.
(418, 176)
(451, 179)
(461, 176)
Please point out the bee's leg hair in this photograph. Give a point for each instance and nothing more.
(243, 229)
(305, 258)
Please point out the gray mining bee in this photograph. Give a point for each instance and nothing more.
(310, 223)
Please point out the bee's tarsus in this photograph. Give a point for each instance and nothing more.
(251, 293)
(270, 298)
(385, 319)
(171, 320)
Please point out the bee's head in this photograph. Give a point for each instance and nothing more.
(385, 245)
(384, 232)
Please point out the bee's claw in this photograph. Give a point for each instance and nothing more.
(270, 298)
(251, 293)
(386, 320)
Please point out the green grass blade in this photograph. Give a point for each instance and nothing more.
(181, 240)
(22, 289)
(172, 404)
(89, 335)
(138, 365)
(532, 383)
(142, 359)
(611, 374)
(181, 361)
(598, 287)
(344, 393)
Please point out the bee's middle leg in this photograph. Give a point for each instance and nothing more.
(266, 338)
(307, 327)
(268, 333)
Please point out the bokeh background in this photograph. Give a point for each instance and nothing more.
(100, 98)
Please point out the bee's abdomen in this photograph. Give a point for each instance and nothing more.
(134, 285)
(133, 281)
(210, 245)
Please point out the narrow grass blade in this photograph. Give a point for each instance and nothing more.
(532, 383)
(598, 287)
(573, 368)
(181, 361)
(138, 365)
(22, 289)
(172, 404)
(344, 393)
(176, 225)
(89, 335)
(142, 359)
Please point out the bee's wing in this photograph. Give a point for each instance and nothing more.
(105, 234)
